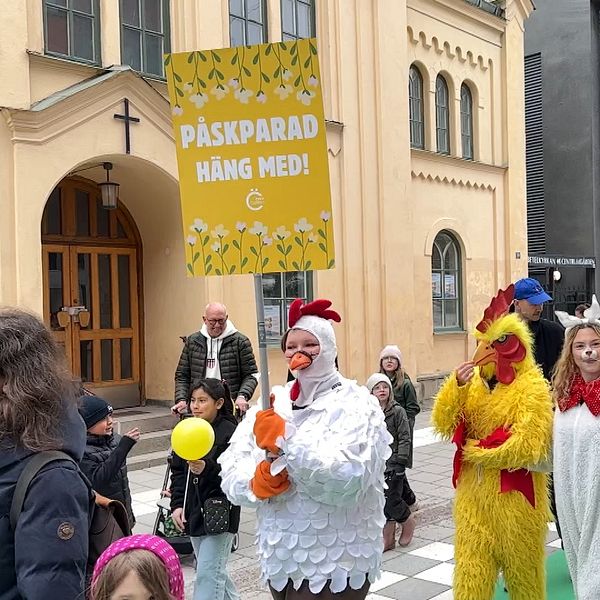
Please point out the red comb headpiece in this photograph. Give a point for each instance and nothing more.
(498, 307)
(316, 308)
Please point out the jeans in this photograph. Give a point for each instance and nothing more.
(212, 579)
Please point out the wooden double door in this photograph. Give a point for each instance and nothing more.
(91, 303)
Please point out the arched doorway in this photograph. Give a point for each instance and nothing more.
(92, 289)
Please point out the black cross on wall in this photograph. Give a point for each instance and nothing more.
(127, 118)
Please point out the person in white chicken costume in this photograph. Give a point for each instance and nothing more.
(318, 492)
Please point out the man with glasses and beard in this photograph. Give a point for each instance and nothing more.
(219, 351)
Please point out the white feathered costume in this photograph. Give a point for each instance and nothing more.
(577, 471)
(328, 525)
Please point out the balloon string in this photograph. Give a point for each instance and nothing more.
(187, 483)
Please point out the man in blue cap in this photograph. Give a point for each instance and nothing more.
(548, 336)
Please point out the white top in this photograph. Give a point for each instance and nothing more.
(328, 525)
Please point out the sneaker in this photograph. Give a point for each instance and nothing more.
(236, 542)
(408, 530)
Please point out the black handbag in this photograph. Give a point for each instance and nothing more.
(216, 515)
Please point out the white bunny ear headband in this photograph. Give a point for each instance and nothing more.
(591, 316)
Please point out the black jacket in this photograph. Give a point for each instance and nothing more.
(35, 563)
(548, 339)
(396, 422)
(104, 465)
(236, 362)
(203, 486)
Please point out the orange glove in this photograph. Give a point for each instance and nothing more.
(264, 485)
(267, 428)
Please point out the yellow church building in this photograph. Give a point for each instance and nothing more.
(424, 106)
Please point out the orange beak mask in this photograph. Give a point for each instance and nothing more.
(301, 360)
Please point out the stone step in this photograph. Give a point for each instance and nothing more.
(147, 418)
(153, 441)
(147, 460)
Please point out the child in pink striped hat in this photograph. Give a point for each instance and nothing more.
(138, 567)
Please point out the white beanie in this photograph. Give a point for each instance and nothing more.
(378, 378)
(391, 350)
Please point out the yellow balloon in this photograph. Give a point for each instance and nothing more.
(192, 438)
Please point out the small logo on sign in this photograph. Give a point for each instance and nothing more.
(255, 200)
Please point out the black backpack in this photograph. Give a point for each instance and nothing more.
(108, 519)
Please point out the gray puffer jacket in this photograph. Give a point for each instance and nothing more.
(236, 362)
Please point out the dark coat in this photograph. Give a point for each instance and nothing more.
(548, 339)
(35, 563)
(406, 397)
(203, 486)
(103, 463)
(236, 362)
(396, 422)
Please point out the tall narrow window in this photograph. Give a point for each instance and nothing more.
(415, 107)
(442, 115)
(297, 19)
(446, 280)
(145, 35)
(280, 290)
(247, 22)
(466, 121)
(72, 29)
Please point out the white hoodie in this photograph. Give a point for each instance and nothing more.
(213, 346)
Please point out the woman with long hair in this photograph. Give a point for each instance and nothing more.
(576, 391)
(196, 481)
(46, 555)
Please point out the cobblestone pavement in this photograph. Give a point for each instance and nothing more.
(422, 571)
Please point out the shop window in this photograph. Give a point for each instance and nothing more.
(279, 291)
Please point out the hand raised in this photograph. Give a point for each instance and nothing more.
(134, 434)
(464, 372)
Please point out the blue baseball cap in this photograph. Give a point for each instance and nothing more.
(531, 290)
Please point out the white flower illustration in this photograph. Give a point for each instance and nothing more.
(234, 82)
(191, 240)
(313, 81)
(187, 87)
(199, 226)
(243, 95)
(283, 91)
(286, 75)
(219, 232)
(281, 233)
(258, 229)
(325, 216)
(220, 91)
(240, 226)
(215, 247)
(261, 97)
(305, 96)
(302, 226)
(267, 241)
(177, 111)
(199, 99)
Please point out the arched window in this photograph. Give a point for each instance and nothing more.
(415, 105)
(466, 121)
(442, 115)
(446, 277)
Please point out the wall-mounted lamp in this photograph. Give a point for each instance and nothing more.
(556, 275)
(109, 189)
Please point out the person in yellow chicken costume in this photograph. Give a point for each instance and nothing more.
(497, 409)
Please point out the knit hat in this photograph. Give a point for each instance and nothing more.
(378, 378)
(391, 350)
(93, 409)
(153, 544)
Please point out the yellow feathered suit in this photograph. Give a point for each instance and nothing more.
(501, 421)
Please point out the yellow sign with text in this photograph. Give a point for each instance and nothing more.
(252, 156)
